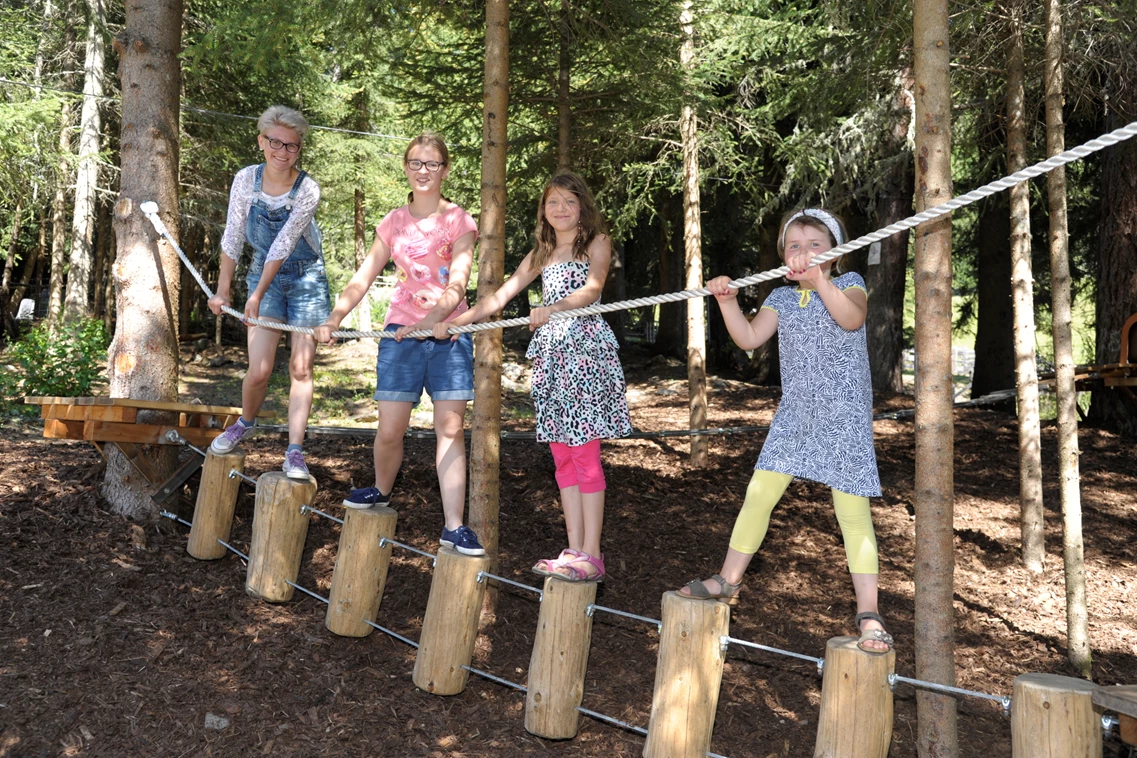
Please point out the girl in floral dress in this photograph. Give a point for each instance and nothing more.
(578, 383)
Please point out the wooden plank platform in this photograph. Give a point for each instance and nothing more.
(1121, 698)
(150, 405)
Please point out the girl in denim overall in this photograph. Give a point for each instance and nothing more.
(286, 278)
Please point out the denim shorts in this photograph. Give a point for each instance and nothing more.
(298, 294)
(443, 368)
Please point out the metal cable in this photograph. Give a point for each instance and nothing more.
(384, 541)
(725, 640)
(396, 635)
(520, 585)
(1069, 156)
(1004, 700)
(593, 607)
(330, 517)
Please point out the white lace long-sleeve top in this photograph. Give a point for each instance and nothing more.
(299, 223)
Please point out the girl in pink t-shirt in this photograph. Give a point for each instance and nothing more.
(431, 242)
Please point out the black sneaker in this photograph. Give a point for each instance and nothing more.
(367, 497)
(463, 540)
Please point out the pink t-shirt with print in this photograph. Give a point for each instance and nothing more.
(422, 250)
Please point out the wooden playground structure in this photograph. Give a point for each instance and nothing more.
(1050, 716)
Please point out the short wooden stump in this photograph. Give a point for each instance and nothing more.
(1053, 717)
(450, 626)
(856, 702)
(216, 500)
(361, 571)
(560, 659)
(279, 531)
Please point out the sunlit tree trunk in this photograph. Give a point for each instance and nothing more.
(885, 280)
(693, 246)
(1022, 283)
(485, 441)
(1073, 558)
(143, 357)
(937, 735)
(76, 304)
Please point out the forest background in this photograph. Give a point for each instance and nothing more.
(797, 103)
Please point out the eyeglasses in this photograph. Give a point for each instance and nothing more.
(431, 166)
(275, 144)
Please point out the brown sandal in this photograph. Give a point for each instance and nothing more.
(728, 593)
(868, 635)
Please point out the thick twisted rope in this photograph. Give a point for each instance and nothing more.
(1069, 156)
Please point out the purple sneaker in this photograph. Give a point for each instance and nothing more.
(294, 467)
(228, 439)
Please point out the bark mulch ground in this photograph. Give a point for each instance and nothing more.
(116, 643)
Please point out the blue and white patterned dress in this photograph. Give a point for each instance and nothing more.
(822, 430)
(577, 383)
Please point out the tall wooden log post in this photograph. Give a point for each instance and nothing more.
(856, 702)
(361, 571)
(450, 627)
(279, 531)
(1053, 717)
(560, 659)
(216, 500)
(687, 677)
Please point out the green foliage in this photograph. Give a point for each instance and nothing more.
(65, 363)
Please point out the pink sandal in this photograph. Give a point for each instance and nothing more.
(549, 566)
(580, 575)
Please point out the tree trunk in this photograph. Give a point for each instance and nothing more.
(102, 260)
(1022, 284)
(1077, 616)
(886, 278)
(31, 267)
(564, 106)
(935, 562)
(59, 219)
(485, 435)
(10, 258)
(363, 310)
(693, 246)
(76, 304)
(994, 330)
(143, 357)
(671, 336)
(1117, 256)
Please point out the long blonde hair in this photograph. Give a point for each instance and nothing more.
(590, 225)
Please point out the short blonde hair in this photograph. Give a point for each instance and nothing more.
(282, 115)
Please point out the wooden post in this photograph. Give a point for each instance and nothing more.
(450, 627)
(361, 571)
(687, 677)
(279, 530)
(1053, 717)
(216, 499)
(560, 659)
(856, 702)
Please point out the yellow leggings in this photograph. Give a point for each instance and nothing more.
(764, 492)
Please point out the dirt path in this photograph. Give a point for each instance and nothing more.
(116, 643)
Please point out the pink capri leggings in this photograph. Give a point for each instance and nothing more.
(579, 466)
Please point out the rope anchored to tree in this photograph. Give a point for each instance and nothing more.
(1128, 131)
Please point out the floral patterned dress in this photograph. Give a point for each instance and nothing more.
(578, 383)
(822, 430)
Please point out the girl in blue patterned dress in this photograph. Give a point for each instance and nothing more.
(578, 383)
(822, 430)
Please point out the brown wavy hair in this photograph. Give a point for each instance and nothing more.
(813, 223)
(591, 224)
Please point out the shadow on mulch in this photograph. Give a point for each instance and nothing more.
(117, 643)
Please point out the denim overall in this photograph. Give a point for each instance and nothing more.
(298, 294)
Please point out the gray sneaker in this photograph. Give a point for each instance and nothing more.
(294, 466)
(228, 439)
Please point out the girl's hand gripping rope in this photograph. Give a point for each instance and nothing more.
(720, 288)
(217, 302)
(323, 332)
(539, 317)
(441, 333)
(252, 306)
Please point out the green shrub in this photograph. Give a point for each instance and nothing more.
(65, 363)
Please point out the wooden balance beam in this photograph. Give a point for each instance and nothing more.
(114, 421)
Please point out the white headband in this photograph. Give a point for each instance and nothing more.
(823, 216)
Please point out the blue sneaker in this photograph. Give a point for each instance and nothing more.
(366, 497)
(463, 540)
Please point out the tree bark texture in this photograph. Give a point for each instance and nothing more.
(937, 735)
(1069, 489)
(1117, 256)
(564, 92)
(1022, 287)
(59, 219)
(143, 357)
(693, 248)
(76, 303)
(485, 437)
(359, 230)
(994, 327)
(885, 280)
(102, 259)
